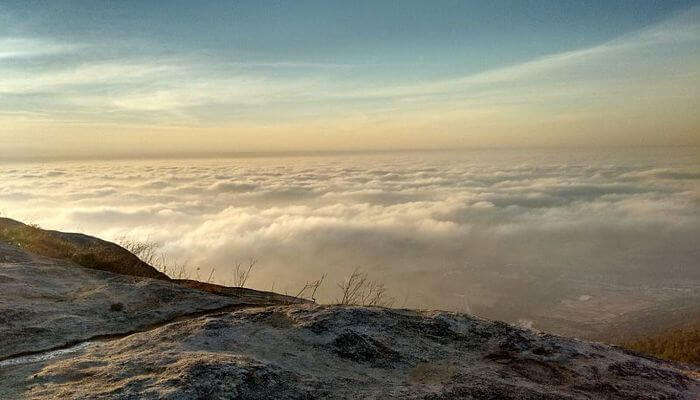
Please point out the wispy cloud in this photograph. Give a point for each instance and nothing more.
(21, 48)
(236, 90)
(101, 73)
(293, 65)
(596, 61)
(656, 65)
(176, 81)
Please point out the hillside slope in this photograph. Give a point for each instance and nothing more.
(84, 250)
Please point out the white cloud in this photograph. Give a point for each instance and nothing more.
(613, 59)
(411, 220)
(19, 48)
(107, 73)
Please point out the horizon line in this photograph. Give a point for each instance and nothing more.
(313, 153)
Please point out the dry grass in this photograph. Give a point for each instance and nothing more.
(241, 273)
(144, 258)
(149, 252)
(36, 240)
(681, 344)
(146, 250)
(358, 289)
(83, 250)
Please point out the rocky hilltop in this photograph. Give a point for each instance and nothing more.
(67, 331)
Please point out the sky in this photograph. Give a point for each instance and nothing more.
(108, 78)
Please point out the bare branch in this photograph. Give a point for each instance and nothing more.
(311, 286)
(241, 273)
(358, 289)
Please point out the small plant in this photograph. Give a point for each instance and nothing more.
(358, 289)
(241, 273)
(149, 252)
(146, 250)
(181, 269)
(311, 287)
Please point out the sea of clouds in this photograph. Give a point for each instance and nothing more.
(455, 230)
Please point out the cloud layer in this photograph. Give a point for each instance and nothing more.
(483, 230)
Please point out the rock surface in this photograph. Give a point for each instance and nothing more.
(195, 345)
(47, 303)
(311, 351)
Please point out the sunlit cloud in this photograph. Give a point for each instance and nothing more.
(414, 219)
(238, 90)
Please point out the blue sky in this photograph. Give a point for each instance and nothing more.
(332, 75)
(465, 36)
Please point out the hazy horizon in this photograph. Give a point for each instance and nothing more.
(134, 156)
